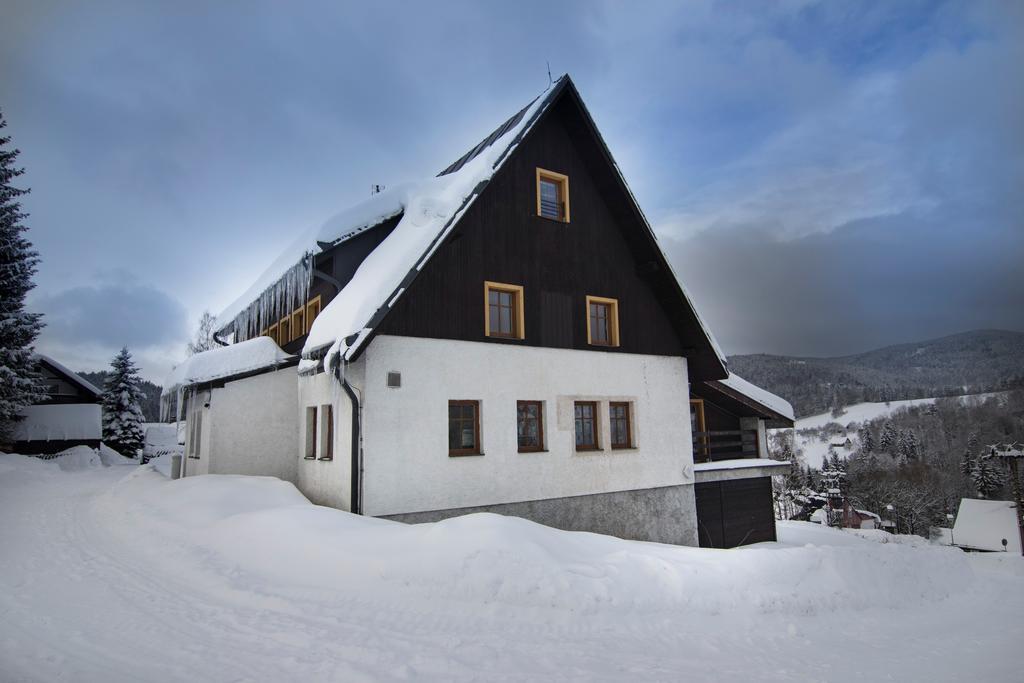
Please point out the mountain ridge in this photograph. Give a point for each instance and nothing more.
(967, 362)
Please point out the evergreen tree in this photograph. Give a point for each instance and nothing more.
(20, 385)
(122, 412)
(967, 463)
(810, 478)
(835, 463)
(888, 438)
(972, 444)
(204, 340)
(911, 446)
(987, 477)
(867, 440)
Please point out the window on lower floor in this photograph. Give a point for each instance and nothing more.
(327, 432)
(311, 429)
(530, 426)
(586, 425)
(463, 428)
(619, 422)
(196, 435)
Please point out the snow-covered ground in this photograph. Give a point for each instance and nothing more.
(114, 573)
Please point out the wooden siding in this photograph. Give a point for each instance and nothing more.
(558, 264)
(735, 512)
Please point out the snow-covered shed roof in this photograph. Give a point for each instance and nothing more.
(983, 524)
(224, 362)
(427, 211)
(82, 383)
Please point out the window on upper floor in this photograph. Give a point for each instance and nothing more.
(284, 330)
(552, 195)
(298, 322)
(503, 310)
(619, 420)
(463, 428)
(312, 311)
(602, 321)
(530, 426)
(586, 425)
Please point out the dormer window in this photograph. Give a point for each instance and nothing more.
(552, 195)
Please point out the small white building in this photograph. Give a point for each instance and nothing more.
(984, 524)
(508, 337)
(70, 415)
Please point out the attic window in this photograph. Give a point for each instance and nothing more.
(552, 195)
(503, 310)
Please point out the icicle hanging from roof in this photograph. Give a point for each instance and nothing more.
(279, 299)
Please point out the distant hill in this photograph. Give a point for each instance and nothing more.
(971, 362)
(151, 392)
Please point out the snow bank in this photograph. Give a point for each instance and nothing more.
(765, 398)
(225, 361)
(263, 528)
(78, 458)
(63, 422)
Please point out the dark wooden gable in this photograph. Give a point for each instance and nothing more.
(62, 386)
(606, 250)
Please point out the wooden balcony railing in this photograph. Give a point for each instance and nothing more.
(725, 445)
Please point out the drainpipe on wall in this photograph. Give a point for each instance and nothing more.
(356, 447)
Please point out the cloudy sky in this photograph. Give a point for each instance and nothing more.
(827, 177)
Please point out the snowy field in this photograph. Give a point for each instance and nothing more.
(112, 572)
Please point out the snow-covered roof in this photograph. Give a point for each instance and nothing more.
(755, 393)
(427, 211)
(983, 524)
(73, 376)
(252, 355)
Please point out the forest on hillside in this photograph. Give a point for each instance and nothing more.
(921, 461)
(969, 363)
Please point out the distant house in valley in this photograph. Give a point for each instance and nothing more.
(69, 416)
(507, 336)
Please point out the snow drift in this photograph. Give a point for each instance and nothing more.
(264, 528)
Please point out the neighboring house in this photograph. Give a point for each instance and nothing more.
(69, 416)
(508, 337)
(984, 524)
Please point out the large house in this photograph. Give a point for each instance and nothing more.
(507, 336)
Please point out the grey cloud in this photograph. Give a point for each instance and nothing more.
(113, 314)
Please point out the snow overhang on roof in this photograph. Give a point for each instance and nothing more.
(769, 406)
(227, 362)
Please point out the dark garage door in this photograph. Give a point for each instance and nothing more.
(736, 512)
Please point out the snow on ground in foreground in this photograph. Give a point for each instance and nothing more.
(119, 574)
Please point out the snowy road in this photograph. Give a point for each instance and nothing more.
(95, 590)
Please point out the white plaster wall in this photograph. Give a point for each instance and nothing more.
(406, 463)
(197, 405)
(327, 482)
(250, 427)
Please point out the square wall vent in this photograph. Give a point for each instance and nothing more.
(394, 380)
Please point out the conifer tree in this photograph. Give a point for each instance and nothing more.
(20, 385)
(987, 477)
(122, 411)
(967, 463)
(867, 440)
(888, 438)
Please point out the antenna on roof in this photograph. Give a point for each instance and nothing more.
(376, 189)
(549, 73)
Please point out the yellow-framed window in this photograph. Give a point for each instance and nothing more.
(312, 311)
(503, 311)
(602, 321)
(298, 322)
(552, 195)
